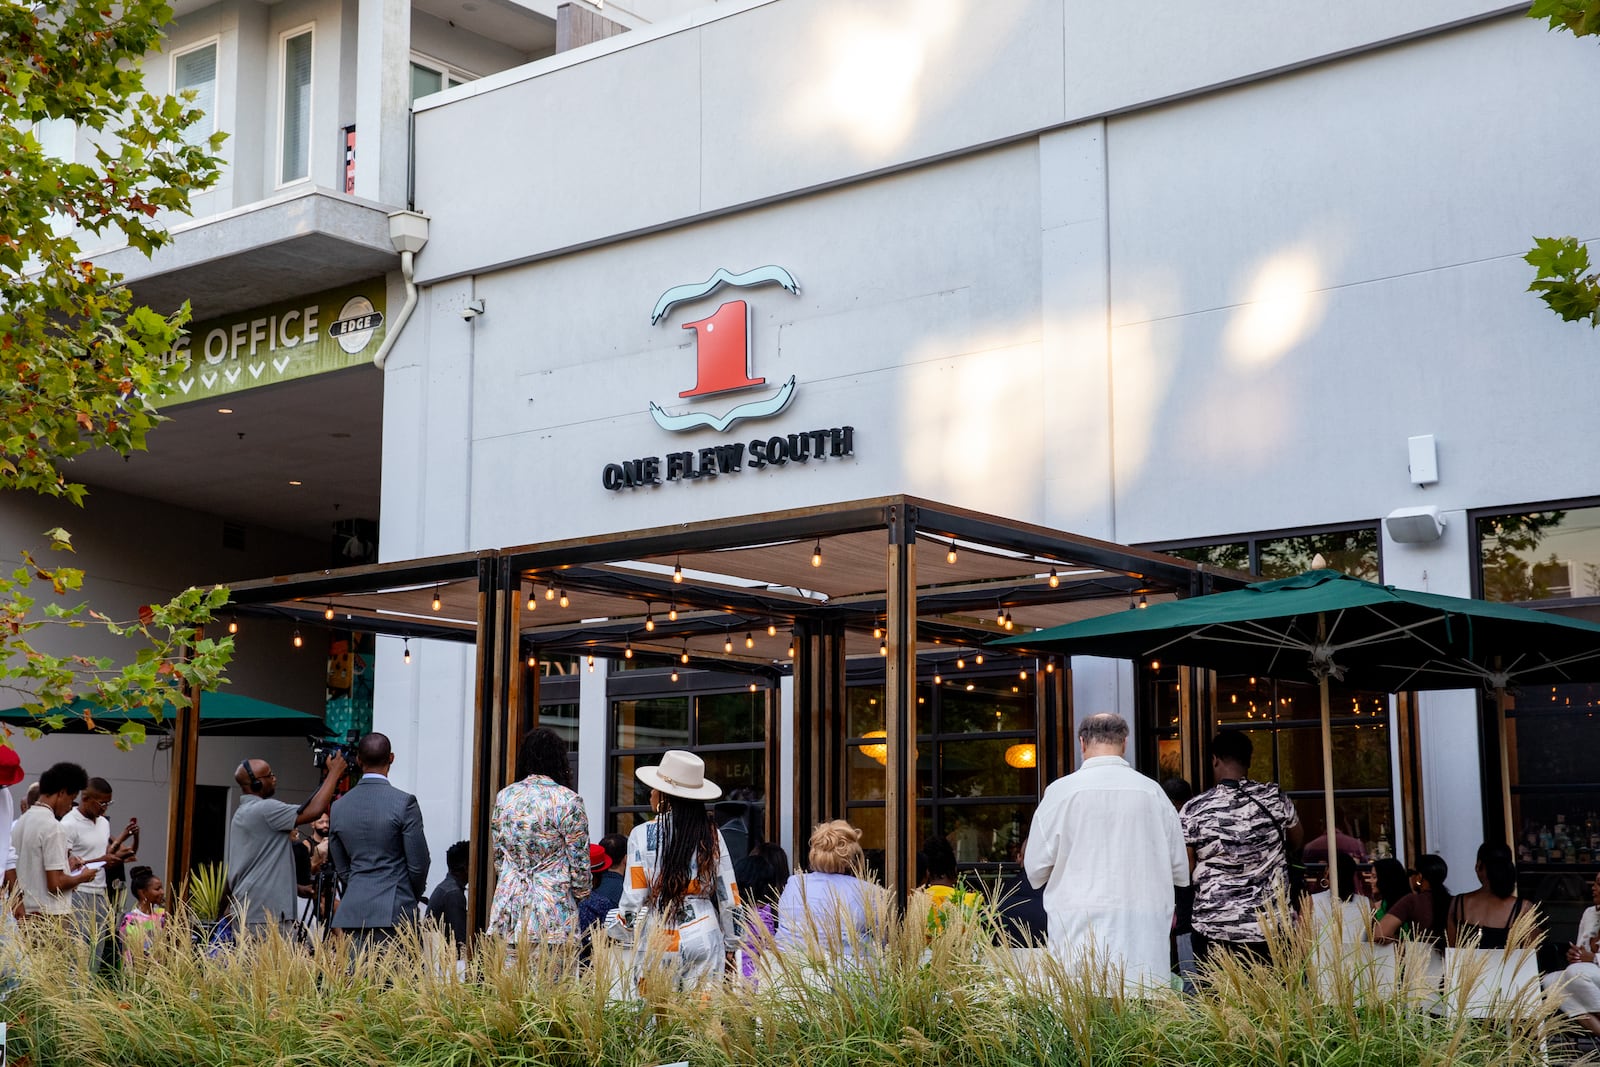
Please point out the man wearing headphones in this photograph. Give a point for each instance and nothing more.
(260, 856)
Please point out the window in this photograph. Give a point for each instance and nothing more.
(727, 729)
(431, 76)
(295, 144)
(1540, 555)
(977, 773)
(1354, 551)
(196, 70)
(58, 138)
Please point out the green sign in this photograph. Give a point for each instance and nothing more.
(295, 339)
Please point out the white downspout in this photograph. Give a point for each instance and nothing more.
(409, 232)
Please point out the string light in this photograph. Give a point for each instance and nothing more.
(1155, 665)
(950, 556)
(1144, 601)
(233, 625)
(649, 621)
(791, 648)
(407, 657)
(683, 657)
(937, 680)
(591, 663)
(999, 616)
(877, 632)
(549, 592)
(677, 572)
(752, 687)
(816, 554)
(533, 661)
(750, 639)
(627, 650)
(883, 648)
(437, 602)
(533, 600)
(1049, 666)
(565, 602)
(298, 640)
(1055, 579)
(1008, 624)
(961, 663)
(727, 642)
(1023, 675)
(978, 659)
(672, 612)
(674, 674)
(772, 629)
(327, 613)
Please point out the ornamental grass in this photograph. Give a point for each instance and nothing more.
(922, 992)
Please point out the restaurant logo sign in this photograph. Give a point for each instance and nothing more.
(723, 366)
(278, 343)
(722, 352)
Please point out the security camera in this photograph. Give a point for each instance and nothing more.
(472, 310)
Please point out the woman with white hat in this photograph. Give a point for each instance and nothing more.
(678, 892)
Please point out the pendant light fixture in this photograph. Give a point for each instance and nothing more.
(533, 661)
(566, 603)
(591, 663)
(978, 659)
(950, 556)
(549, 592)
(683, 657)
(961, 663)
(649, 620)
(298, 640)
(437, 602)
(937, 678)
(533, 600)
(816, 554)
(327, 612)
(750, 639)
(727, 642)
(772, 629)
(672, 612)
(406, 659)
(677, 572)
(1000, 615)
(1144, 601)
(627, 649)
(233, 624)
(674, 674)
(1055, 579)
(883, 648)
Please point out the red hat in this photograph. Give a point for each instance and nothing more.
(10, 766)
(599, 860)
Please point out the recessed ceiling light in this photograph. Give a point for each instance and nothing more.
(293, 482)
(224, 411)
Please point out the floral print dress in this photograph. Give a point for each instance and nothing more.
(541, 856)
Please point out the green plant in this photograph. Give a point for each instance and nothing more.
(204, 891)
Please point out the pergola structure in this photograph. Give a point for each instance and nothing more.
(798, 592)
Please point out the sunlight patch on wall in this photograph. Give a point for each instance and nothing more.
(1283, 305)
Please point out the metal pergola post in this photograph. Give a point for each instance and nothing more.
(900, 702)
(485, 749)
(184, 768)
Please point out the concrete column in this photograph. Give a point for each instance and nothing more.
(383, 100)
(593, 721)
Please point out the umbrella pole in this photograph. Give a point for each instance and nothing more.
(1327, 749)
(1505, 765)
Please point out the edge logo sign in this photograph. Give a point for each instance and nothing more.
(722, 351)
(723, 366)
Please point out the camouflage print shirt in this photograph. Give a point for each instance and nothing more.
(1237, 830)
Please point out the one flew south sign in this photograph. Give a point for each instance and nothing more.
(724, 369)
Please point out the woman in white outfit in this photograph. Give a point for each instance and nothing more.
(678, 891)
(1581, 980)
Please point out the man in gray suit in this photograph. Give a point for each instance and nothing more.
(375, 841)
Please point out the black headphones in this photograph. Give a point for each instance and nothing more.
(255, 783)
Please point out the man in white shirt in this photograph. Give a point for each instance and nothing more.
(43, 874)
(1107, 848)
(88, 834)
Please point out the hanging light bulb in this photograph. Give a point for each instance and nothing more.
(1000, 616)
(1049, 666)
(627, 650)
(752, 687)
(649, 621)
(591, 663)
(1008, 623)
(233, 625)
(978, 659)
(1155, 665)
(549, 592)
(727, 642)
(674, 674)
(677, 572)
(791, 648)
(772, 629)
(961, 663)
(533, 661)
(950, 556)
(937, 680)
(1144, 601)
(533, 601)
(883, 648)
(877, 632)
(1055, 579)
(750, 640)
(565, 601)
(407, 657)
(816, 554)
(683, 657)
(1023, 675)
(327, 613)
(437, 603)
(672, 612)
(298, 640)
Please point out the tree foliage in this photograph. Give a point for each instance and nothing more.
(80, 363)
(1561, 264)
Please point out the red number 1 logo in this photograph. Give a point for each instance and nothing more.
(722, 351)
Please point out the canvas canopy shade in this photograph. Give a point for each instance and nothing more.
(219, 712)
(1324, 625)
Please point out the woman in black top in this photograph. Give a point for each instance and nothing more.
(1490, 910)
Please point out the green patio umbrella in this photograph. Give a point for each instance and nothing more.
(217, 710)
(1324, 625)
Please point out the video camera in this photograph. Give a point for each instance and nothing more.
(322, 748)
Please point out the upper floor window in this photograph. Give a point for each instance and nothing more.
(1540, 555)
(196, 69)
(431, 76)
(295, 144)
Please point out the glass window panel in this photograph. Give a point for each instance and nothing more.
(1360, 757)
(659, 722)
(864, 772)
(1553, 737)
(738, 769)
(196, 70)
(425, 80)
(1367, 819)
(985, 768)
(561, 719)
(864, 709)
(731, 718)
(1354, 552)
(994, 703)
(296, 108)
(987, 833)
(1234, 555)
(1542, 555)
(626, 789)
(626, 820)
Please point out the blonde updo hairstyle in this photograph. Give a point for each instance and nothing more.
(836, 849)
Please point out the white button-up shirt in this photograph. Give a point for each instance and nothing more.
(1106, 846)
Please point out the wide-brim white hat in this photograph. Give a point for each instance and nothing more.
(681, 774)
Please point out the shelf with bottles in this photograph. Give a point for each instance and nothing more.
(1560, 842)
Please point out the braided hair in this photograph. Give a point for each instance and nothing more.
(689, 847)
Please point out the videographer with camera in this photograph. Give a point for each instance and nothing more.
(376, 844)
(260, 856)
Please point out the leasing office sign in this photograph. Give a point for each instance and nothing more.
(278, 343)
(724, 367)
